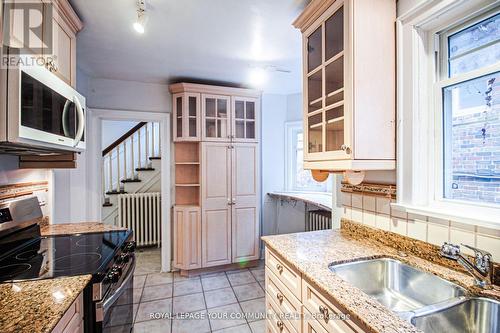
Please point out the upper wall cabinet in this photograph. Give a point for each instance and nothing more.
(213, 113)
(349, 84)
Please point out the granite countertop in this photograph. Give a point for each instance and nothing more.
(76, 228)
(312, 252)
(37, 306)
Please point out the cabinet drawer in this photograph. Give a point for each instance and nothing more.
(287, 275)
(284, 299)
(72, 318)
(312, 325)
(276, 323)
(327, 314)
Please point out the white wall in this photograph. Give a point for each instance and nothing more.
(277, 216)
(114, 129)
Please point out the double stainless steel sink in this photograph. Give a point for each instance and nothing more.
(429, 302)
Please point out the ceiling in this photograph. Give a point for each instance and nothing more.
(222, 41)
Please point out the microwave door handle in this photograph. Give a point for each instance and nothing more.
(81, 121)
(65, 118)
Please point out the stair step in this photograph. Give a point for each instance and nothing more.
(107, 204)
(130, 180)
(145, 169)
(115, 192)
(155, 158)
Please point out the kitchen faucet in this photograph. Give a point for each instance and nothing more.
(482, 267)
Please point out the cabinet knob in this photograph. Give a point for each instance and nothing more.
(324, 311)
(279, 296)
(343, 147)
(279, 268)
(280, 325)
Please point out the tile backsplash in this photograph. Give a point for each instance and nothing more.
(376, 211)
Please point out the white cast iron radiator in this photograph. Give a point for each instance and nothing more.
(318, 220)
(141, 212)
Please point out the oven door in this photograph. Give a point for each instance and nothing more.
(117, 307)
(44, 110)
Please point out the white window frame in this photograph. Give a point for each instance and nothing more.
(291, 130)
(419, 111)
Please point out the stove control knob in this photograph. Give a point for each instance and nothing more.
(117, 269)
(130, 246)
(124, 258)
(113, 276)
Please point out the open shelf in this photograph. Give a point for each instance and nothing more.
(187, 173)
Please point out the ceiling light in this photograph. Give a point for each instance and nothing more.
(141, 17)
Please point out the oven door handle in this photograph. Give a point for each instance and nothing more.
(103, 306)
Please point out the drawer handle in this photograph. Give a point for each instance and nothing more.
(324, 311)
(279, 268)
(279, 296)
(280, 325)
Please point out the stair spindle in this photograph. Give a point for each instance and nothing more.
(139, 159)
(147, 144)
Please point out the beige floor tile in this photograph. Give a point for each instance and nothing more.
(197, 322)
(213, 274)
(147, 309)
(157, 292)
(219, 297)
(153, 326)
(138, 281)
(215, 282)
(236, 329)
(236, 270)
(258, 326)
(179, 278)
(188, 303)
(258, 274)
(255, 309)
(240, 278)
(226, 316)
(246, 292)
(187, 287)
(158, 278)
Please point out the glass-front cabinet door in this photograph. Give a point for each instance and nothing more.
(186, 125)
(244, 119)
(216, 124)
(324, 113)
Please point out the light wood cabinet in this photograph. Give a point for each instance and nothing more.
(230, 203)
(187, 243)
(59, 26)
(217, 164)
(302, 306)
(72, 320)
(187, 124)
(349, 84)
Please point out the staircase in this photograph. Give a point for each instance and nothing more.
(131, 165)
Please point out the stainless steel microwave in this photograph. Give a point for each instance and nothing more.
(42, 113)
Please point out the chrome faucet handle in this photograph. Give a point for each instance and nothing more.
(482, 258)
(450, 251)
(477, 251)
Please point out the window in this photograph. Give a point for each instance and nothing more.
(298, 179)
(449, 111)
(470, 97)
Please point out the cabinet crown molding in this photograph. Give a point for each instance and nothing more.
(176, 88)
(311, 13)
(69, 14)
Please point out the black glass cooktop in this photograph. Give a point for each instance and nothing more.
(48, 257)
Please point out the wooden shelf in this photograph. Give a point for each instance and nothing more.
(187, 163)
(187, 185)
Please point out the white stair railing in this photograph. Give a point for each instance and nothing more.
(134, 152)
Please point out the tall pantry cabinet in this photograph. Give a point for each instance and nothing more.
(216, 212)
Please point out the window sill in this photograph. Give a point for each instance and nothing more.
(467, 214)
